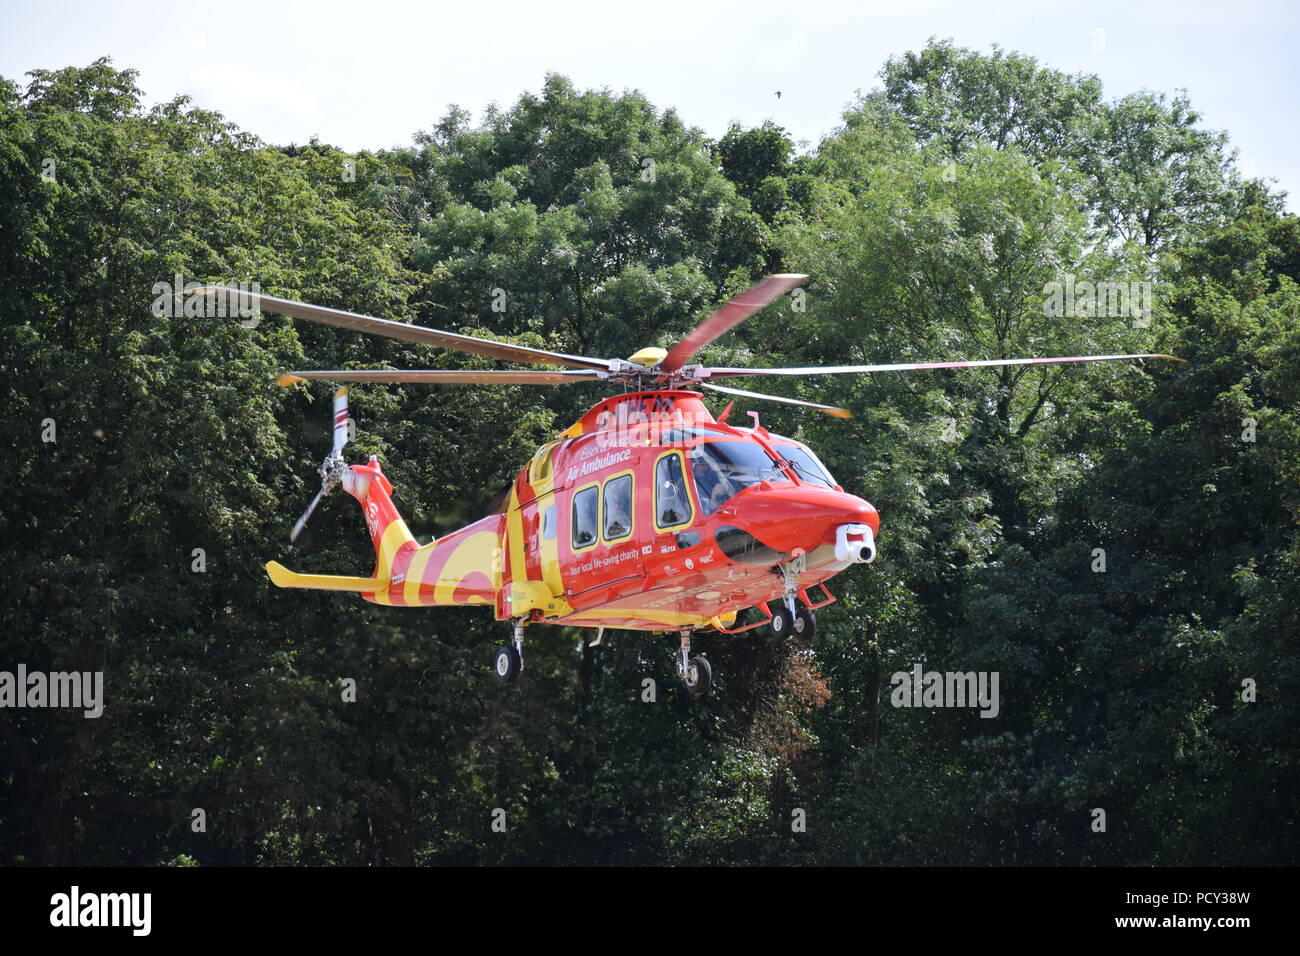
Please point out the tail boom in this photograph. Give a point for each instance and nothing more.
(462, 568)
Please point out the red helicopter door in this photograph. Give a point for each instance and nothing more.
(605, 517)
(674, 512)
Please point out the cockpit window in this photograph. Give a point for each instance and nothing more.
(723, 468)
(806, 465)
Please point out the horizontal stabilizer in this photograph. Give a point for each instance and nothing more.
(282, 577)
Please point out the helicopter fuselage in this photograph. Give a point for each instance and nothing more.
(648, 514)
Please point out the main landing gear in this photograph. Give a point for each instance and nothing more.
(792, 617)
(694, 671)
(510, 658)
(800, 621)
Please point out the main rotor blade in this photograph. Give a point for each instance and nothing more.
(405, 332)
(915, 366)
(828, 409)
(734, 312)
(455, 376)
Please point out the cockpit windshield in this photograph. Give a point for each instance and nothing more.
(723, 468)
(806, 465)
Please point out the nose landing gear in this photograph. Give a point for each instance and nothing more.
(799, 621)
(793, 617)
(805, 623)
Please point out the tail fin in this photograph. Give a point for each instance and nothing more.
(368, 484)
(394, 545)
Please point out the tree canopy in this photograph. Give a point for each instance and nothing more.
(1119, 543)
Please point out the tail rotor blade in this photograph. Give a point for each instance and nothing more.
(302, 522)
(340, 422)
(333, 468)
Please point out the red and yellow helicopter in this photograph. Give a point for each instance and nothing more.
(647, 514)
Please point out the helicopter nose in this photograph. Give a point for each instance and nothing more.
(800, 518)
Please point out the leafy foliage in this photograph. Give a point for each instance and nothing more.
(932, 222)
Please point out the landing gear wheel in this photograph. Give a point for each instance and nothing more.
(782, 623)
(506, 666)
(699, 676)
(805, 624)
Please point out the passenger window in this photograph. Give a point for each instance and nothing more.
(585, 505)
(618, 508)
(672, 505)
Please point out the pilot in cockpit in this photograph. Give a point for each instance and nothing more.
(710, 484)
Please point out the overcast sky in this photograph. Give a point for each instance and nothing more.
(369, 74)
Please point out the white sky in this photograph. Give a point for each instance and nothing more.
(369, 74)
